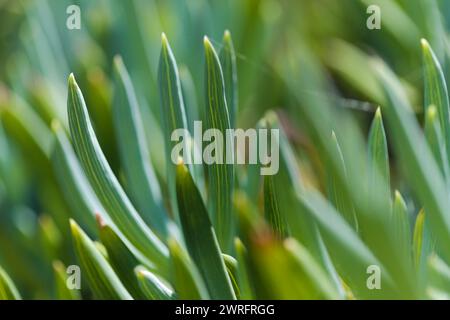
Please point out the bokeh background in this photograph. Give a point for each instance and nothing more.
(38, 52)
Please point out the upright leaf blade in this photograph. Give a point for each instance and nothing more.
(172, 110)
(243, 278)
(200, 237)
(142, 183)
(418, 162)
(220, 173)
(378, 157)
(271, 209)
(188, 283)
(401, 228)
(75, 187)
(339, 197)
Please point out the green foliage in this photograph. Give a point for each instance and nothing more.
(364, 151)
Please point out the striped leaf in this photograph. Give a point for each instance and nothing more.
(200, 237)
(75, 187)
(271, 209)
(301, 225)
(142, 183)
(172, 110)
(220, 174)
(103, 282)
(121, 258)
(337, 195)
(105, 183)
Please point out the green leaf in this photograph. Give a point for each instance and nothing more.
(102, 280)
(271, 209)
(401, 228)
(152, 286)
(75, 187)
(246, 290)
(301, 225)
(434, 137)
(340, 199)
(188, 283)
(436, 91)
(314, 273)
(402, 239)
(378, 157)
(105, 183)
(232, 270)
(416, 158)
(142, 183)
(62, 290)
(172, 110)
(349, 253)
(121, 258)
(220, 174)
(8, 290)
(228, 61)
(423, 246)
(200, 237)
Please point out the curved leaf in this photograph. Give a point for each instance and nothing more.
(152, 286)
(105, 183)
(142, 183)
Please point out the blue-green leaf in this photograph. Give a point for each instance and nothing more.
(142, 183)
(105, 183)
(220, 173)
